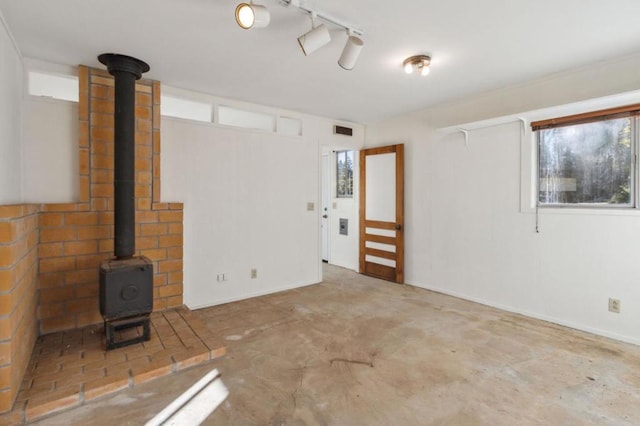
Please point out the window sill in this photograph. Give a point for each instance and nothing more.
(587, 211)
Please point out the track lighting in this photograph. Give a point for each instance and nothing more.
(350, 52)
(249, 15)
(314, 39)
(417, 63)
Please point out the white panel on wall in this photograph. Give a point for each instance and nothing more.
(50, 138)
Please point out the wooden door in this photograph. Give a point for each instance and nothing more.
(382, 212)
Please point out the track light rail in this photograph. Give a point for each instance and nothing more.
(323, 17)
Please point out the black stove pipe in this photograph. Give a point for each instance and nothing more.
(125, 71)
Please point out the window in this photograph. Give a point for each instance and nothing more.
(56, 86)
(172, 106)
(587, 160)
(246, 119)
(290, 126)
(344, 168)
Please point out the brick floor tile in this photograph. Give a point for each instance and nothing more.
(73, 367)
(69, 356)
(47, 364)
(172, 342)
(194, 343)
(132, 356)
(14, 417)
(151, 371)
(96, 388)
(161, 354)
(42, 387)
(219, 352)
(191, 358)
(171, 315)
(138, 363)
(50, 403)
(116, 356)
(52, 339)
(154, 348)
(94, 345)
(187, 335)
(89, 356)
(23, 395)
(41, 379)
(27, 382)
(165, 331)
(96, 373)
(160, 320)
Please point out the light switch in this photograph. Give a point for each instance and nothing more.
(310, 206)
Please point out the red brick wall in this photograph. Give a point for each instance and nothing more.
(75, 238)
(18, 295)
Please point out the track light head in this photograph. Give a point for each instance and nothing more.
(249, 15)
(314, 39)
(417, 63)
(350, 52)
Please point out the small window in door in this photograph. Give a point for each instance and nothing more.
(344, 168)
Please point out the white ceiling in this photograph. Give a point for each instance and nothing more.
(195, 44)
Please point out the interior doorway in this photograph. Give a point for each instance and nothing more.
(382, 212)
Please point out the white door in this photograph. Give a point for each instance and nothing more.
(325, 207)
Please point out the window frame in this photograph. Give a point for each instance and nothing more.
(633, 113)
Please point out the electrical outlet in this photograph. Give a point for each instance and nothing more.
(254, 273)
(222, 277)
(614, 305)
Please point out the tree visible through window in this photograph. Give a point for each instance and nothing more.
(344, 167)
(587, 163)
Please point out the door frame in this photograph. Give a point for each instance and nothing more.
(325, 195)
(370, 268)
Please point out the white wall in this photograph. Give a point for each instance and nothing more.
(245, 195)
(10, 118)
(468, 235)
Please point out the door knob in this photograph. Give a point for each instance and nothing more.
(324, 216)
(398, 227)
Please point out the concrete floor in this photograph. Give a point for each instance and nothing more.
(359, 351)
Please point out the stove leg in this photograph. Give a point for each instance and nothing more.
(112, 327)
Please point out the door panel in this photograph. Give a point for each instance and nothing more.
(382, 212)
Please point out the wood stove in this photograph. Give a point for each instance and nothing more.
(126, 281)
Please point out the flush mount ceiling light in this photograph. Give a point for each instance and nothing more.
(350, 52)
(417, 63)
(249, 15)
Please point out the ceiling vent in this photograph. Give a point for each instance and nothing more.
(341, 130)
